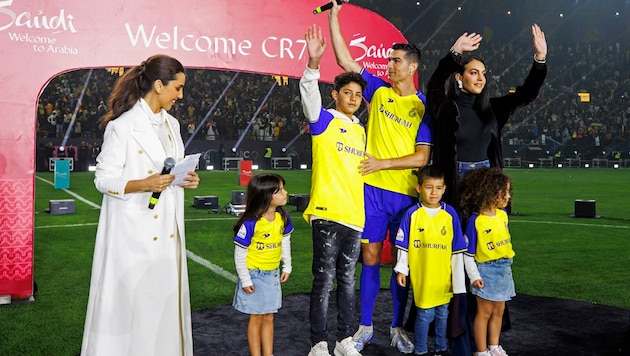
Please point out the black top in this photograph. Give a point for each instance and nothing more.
(472, 138)
(446, 116)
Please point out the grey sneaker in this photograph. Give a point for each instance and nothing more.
(346, 347)
(320, 349)
(363, 336)
(401, 340)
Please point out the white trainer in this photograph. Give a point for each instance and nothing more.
(320, 349)
(346, 347)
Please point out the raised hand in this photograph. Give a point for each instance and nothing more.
(467, 42)
(316, 45)
(540, 43)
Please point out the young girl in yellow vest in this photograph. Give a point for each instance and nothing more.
(263, 240)
(488, 260)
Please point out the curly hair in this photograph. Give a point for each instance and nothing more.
(482, 189)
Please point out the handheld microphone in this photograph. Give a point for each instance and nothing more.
(169, 163)
(328, 6)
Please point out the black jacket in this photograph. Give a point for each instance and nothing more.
(444, 115)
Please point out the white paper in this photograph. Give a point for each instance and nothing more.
(184, 166)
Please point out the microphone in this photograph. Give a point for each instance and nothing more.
(328, 6)
(169, 163)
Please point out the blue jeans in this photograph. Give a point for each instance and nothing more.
(465, 167)
(423, 318)
(335, 253)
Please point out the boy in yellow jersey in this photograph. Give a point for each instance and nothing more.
(430, 247)
(335, 209)
(399, 140)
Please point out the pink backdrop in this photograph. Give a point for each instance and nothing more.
(39, 39)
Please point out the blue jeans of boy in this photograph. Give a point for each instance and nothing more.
(335, 253)
(423, 318)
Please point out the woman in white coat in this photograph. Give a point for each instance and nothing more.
(139, 301)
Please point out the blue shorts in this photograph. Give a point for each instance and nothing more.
(383, 211)
(498, 284)
(267, 298)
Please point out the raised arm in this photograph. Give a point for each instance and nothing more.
(316, 44)
(342, 53)
(505, 105)
(309, 89)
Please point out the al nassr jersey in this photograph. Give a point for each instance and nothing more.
(263, 241)
(489, 237)
(396, 125)
(337, 185)
(430, 242)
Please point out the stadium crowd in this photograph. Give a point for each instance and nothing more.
(583, 106)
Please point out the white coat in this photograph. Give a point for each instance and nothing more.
(139, 301)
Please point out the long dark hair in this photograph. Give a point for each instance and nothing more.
(137, 82)
(482, 100)
(260, 190)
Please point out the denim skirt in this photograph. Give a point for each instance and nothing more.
(497, 279)
(267, 296)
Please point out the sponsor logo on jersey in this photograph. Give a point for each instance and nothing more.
(242, 232)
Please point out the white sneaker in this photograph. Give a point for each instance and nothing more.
(363, 336)
(498, 352)
(320, 349)
(483, 353)
(346, 348)
(401, 340)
